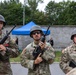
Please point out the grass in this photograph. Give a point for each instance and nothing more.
(58, 55)
(17, 59)
(57, 59)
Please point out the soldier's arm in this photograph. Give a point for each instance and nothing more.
(12, 49)
(64, 62)
(49, 54)
(25, 61)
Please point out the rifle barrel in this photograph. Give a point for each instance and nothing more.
(47, 31)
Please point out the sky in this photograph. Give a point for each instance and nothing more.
(41, 6)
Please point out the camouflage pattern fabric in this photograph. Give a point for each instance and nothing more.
(28, 62)
(12, 51)
(72, 72)
(68, 54)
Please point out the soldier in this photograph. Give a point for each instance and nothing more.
(51, 41)
(42, 61)
(6, 51)
(68, 58)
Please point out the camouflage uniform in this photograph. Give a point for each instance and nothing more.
(68, 54)
(27, 60)
(72, 72)
(68, 58)
(12, 51)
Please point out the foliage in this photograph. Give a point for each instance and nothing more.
(12, 12)
(52, 10)
(62, 13)
(17, 59)
(58, 55)
(33, 8)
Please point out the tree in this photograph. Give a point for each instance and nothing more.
(68, 14)
(71, 14)
(14, 0)
(62, 17)
(33, 7)
(62, 13)
(13, 12)
(52, 11)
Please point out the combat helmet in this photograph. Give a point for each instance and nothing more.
(2, 19)
(73, 33)
(35, 28)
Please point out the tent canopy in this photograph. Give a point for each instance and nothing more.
(25, 30)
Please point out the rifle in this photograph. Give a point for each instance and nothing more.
(6, 36)
(72, 64)
(38, 50)
(2, 42)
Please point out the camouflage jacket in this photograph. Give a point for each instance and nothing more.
(27, 60)
(12, 51)
(68, 55)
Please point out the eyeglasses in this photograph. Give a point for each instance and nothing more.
(37, 32)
